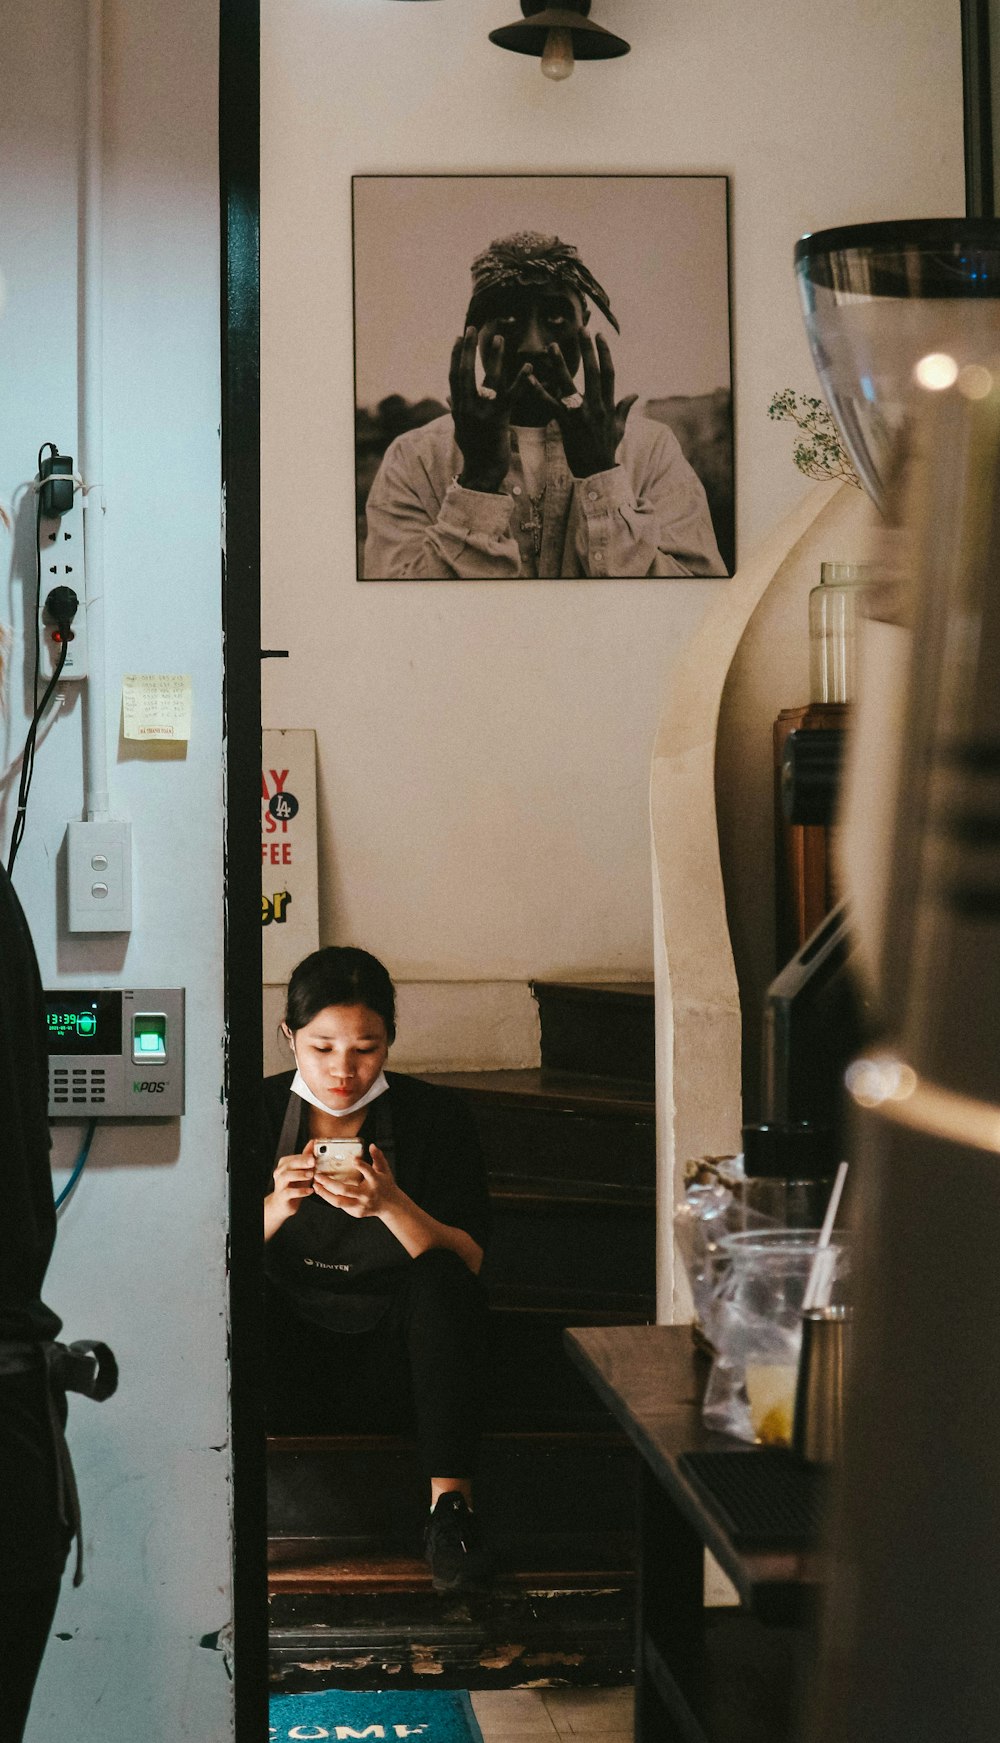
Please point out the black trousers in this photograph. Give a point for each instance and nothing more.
(33, 1543)
(422, 1368)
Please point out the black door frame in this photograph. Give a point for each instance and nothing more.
(239, 185)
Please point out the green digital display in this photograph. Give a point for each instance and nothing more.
(63, 1023)
(84, 1022)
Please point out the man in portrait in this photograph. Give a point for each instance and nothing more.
(537, 470)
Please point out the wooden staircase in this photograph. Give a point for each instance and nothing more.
(571, 1158)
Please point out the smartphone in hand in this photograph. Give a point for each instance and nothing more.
(337, 1159)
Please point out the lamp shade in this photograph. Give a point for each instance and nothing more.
(591, 42)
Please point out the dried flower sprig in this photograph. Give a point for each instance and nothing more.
(821, 453)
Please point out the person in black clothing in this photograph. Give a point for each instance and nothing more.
(376, 1316)
(34, 1533)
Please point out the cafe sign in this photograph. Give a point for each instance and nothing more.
(289, 902)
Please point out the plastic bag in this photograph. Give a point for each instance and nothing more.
(756, 1333)
(712, 1210)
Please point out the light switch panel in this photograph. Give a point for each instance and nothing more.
(99, 876)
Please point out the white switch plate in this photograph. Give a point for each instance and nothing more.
(60, 549)
(99, 876)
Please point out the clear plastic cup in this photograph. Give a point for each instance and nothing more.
(763, 1293)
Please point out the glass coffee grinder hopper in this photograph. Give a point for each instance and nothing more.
(890, 308)
(904, 324)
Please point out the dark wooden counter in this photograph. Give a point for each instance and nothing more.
(720, 1675)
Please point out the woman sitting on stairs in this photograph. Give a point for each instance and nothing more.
(376, 1318)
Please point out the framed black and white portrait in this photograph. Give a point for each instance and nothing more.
(543, 377)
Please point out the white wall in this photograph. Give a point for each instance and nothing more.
(140, 1254)
(484, 748)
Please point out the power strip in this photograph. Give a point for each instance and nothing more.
(60, 541)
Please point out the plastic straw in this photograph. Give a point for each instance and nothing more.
(820, 1276)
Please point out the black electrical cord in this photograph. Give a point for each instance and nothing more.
(28, 754)
(28, 761)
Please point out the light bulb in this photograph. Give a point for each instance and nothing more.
(937, 371)
(557, 60)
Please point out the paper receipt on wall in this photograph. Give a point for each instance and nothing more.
(156, 705)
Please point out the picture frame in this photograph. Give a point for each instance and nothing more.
(650, 495)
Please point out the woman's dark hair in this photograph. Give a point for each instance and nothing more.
(340, 974)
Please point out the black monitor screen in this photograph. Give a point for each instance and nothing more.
(816, 1018)
(84, 1022)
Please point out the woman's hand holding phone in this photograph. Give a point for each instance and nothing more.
(366, 1188)
(369, 1194)
(293, 1181)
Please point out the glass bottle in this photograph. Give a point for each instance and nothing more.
(832, 630)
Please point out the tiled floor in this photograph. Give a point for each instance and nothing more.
(590, 1715)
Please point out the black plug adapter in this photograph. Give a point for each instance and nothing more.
(61, 606)
(56, 474)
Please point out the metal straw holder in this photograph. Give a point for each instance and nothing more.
(818, 1423)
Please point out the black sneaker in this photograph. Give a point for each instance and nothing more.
(453, 1546)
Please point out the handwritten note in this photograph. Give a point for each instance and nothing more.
(156, 705)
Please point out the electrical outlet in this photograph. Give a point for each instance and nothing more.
(60, 543)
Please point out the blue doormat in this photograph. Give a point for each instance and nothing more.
(433, 1715)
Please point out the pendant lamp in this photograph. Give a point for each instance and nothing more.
(560, 36)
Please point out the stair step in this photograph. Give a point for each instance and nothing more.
(366, 1492)
(518, 1634)
(557, 1195)
(531, 1129)
(548, 1090)
(601, 1028)
(331, 1564)
(572, 1306)
(571, 1247)
(534, 1386)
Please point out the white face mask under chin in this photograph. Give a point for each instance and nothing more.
(301, 1088)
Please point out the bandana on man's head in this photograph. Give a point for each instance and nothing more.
(528, 258)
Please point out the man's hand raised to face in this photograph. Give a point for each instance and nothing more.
(592, 427)
(482, 415)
